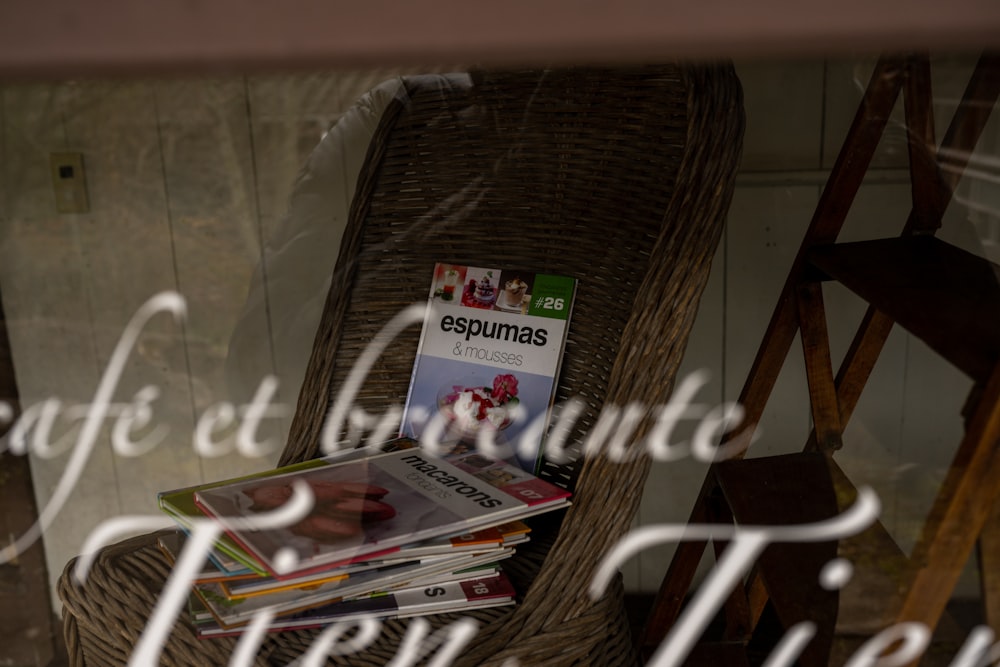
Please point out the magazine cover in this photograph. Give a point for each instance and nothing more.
(489, 357)
(441, 597)
(371, 507)
(227, 556)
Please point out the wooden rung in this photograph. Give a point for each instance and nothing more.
(881, 570)
(827, 429)
(737, 627)
(729, 654)
(790, 489)
(989, 567)
(947, 297)
(929, 194)
(872, 600)
(963, 505)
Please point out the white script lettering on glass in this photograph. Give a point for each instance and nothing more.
(610, 437)
(39, 420)
(335, 640)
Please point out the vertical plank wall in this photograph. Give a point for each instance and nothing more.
(188, 178)
(174, 205)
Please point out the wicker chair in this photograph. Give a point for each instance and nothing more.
(618, 176)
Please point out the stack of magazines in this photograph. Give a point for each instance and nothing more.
(390, 532)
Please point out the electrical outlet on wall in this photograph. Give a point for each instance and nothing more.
(69, 181)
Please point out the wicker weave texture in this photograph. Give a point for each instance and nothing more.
(618, 177)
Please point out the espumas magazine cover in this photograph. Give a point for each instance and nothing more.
(489, 358)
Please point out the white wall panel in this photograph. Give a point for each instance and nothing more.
(43, 270)
(212, 207)
(784, 109)
(765, 229)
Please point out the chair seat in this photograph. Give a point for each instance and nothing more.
(124, 583)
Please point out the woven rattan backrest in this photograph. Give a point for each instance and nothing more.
(570, 172)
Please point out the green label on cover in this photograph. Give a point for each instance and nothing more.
(552, 296)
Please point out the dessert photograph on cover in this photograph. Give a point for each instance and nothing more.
(488, 361)
(356, 503)
(468, 398)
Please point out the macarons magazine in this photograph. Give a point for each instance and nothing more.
(373, 505)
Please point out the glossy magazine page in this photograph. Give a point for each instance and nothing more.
(489, 357)
(376, 505)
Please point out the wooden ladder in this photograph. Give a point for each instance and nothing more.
(945, 296)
